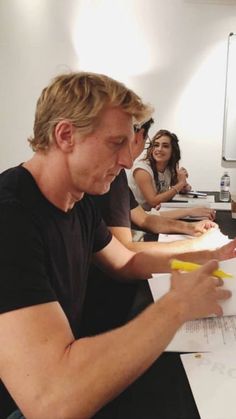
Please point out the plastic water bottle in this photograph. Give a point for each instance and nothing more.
(224, 187)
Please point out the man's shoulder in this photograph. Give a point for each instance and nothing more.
(9, 184)
(16, 216)
(17, 188)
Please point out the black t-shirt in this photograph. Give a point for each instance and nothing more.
(116, 204)
(45, 252)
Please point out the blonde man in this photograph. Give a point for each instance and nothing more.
(83, 134)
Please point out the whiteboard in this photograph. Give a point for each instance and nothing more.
(229, 128)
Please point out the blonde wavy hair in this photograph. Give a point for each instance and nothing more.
(80, 98)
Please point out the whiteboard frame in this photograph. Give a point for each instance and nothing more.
(226, 155)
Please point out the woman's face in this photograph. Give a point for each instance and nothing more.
(162, 149)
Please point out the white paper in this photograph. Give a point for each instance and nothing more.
(166, 238)
(205, 334)
(190, 204)
(207, 201)
(212, 378)
(170, 206)
(210, 240)
(190, 198)
(222, 206)
(160, 285)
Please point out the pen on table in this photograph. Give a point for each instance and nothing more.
(189, 266)
(179, 200)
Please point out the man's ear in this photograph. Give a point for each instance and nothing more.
(64, 137)
(139, 138)
(138, 144)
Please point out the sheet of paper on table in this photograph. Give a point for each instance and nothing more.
(212, 378)
(213, 333)
(202, 199)
(180, 201)
(166, 238)
(221, 206)
(213, 237)
(183, 202)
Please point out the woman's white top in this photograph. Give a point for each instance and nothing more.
(164, 181)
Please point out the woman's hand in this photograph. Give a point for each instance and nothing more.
(183, 171)
(182, 175)
(182, 184)
(186, 188)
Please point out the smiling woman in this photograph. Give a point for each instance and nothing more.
(157, 177)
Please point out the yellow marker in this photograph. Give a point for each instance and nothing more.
(189, 266)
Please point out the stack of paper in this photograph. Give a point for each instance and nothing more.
(210, 240)
(212, 375)
(205, 334)
(212, 378)
(184, 202)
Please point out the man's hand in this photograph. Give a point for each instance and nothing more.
(199, 292)
(212, 239)
(202, 212)
(200, 227)
(228, 251)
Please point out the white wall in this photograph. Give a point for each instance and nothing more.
(172, 52)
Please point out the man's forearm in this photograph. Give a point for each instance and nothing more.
(112, 361)
(159, 224)
(154, 260)
(169, 249)
(121, 356)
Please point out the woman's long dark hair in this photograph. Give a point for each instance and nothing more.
(174, 159)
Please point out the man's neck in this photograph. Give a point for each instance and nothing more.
(52, 181)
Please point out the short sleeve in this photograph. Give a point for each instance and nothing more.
(142, 164)
(102, 237)
(115, 204)
(23, 277)
(133, 202)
